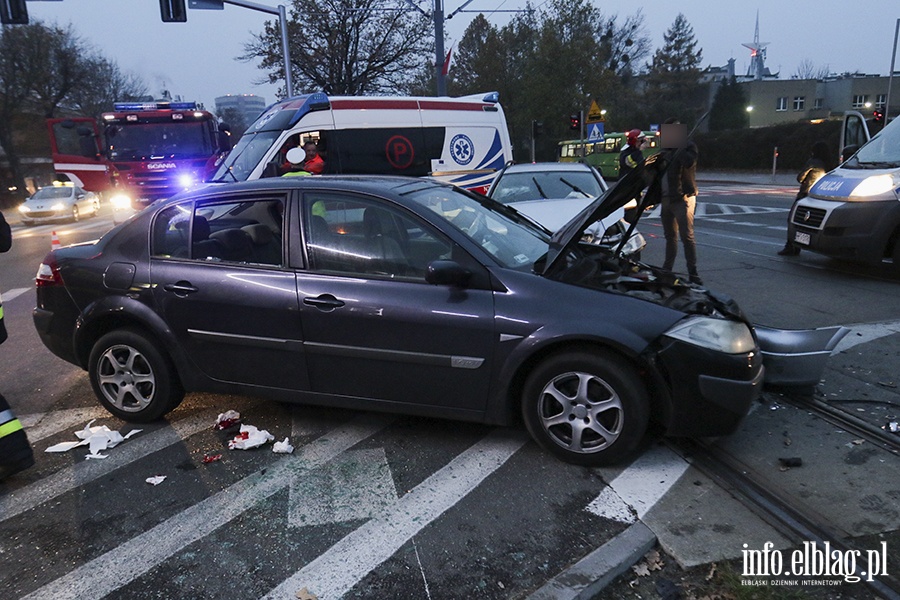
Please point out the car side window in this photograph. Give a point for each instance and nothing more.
(360, 236)
(243, 231)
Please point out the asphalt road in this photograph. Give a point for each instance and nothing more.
(375, 506)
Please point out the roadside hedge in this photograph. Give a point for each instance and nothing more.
(752, 149)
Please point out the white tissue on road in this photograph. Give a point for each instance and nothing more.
(156, 479)
(250, 437)
(283, 447)
(96, 438)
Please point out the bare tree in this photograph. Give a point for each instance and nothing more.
(807, 69)
(104, 84)
(345, 46)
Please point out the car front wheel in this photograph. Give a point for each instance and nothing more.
(132, 378)
(76, 216)
(587, 408)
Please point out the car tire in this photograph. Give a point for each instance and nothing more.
(587, 408)
(96, 208)
(132, 378)
(76, 216)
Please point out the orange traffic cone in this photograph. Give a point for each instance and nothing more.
(54, 241)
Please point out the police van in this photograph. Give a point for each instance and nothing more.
(853, 212)
(463, 141)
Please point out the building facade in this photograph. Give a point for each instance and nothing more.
(773, 101)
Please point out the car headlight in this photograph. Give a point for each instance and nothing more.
(730, 337)
(634, 244)
(24, 209)
(874, 186)
(120, 201)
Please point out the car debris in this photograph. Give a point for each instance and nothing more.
(209, 458)
(156, 479)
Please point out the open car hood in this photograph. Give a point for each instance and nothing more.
(615, 198)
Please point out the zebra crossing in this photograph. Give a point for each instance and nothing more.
(96, 224)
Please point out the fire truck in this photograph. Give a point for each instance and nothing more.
(140, 152)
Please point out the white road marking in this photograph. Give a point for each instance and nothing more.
(39, 426)
(866, 332)
(636, 489)
(130, 560)
(84, 472)
(15, 293)
(357, 485)
(342, 566)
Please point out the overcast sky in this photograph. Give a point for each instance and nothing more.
(198, 59)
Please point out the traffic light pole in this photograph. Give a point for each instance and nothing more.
(887, 104)
(285, 51)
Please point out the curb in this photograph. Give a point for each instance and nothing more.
(587, 578)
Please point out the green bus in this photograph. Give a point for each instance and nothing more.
(604, 154)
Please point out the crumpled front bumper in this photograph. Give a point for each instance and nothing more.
(797, 357)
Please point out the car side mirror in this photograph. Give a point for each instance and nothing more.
(447, 272)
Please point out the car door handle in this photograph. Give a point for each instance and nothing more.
(181, 288)
(325, 302)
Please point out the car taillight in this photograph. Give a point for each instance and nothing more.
(48, 273)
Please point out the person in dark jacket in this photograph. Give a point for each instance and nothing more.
(818, 163)
(15, 451)
(678, 198)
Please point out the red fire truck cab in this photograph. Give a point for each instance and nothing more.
(139, 153)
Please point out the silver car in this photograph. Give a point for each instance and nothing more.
(59, 203)
(553, 193)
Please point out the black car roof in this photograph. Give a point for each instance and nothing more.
(382, 184)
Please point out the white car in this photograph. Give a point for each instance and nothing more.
(59, 202)
(552, 193)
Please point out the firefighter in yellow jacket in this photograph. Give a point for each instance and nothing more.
(15, 451)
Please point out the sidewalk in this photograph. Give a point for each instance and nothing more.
(748, 177)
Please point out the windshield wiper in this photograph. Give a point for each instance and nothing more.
(222, 178)
(538, 186)
(575, 188)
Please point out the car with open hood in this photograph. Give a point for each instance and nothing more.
(400, 295)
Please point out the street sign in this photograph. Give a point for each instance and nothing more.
(207, 4)
(594, 115)
(595, 132)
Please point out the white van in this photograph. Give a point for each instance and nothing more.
(853, 212)
(461, 140)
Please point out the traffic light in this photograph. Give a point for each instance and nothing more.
(172, 11)
(537, 128)
(13, 12)
(575, 122)
(879, 115)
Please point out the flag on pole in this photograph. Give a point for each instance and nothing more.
(447, 61)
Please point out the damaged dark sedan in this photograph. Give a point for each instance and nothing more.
(401, 295)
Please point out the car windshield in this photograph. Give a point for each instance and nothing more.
(244, 157)
(52, 193)
(514, 242)
(518, 187)
(882, 151)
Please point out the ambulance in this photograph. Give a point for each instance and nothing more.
(853, 212)
(463, 141)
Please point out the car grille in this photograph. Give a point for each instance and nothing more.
(809, 217)
(43, 214)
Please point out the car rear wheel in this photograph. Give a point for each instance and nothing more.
(132, 378)
(76, 216)
(587, 408)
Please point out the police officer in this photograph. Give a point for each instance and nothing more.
(15, 452)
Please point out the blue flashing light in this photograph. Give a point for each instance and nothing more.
(315, 101)
(135, 106)
(493, 97)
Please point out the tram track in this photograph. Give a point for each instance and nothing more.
(795, 519)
